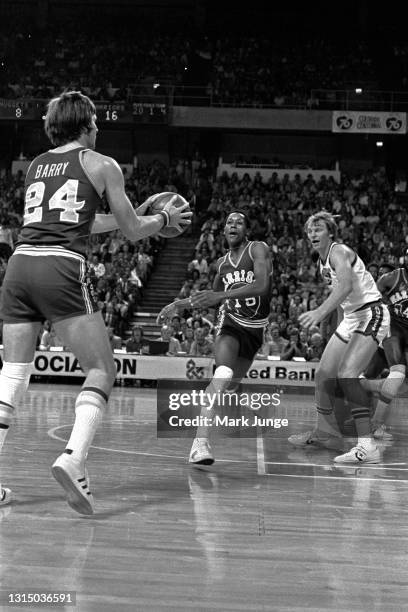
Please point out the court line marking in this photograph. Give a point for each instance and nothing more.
(260, 453)
(366, 466)
(343, 478)
(52, 434)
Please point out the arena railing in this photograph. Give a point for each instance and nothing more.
(190, 95)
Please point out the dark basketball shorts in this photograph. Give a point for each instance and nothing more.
(396, 346)
(39, 286)
(250, 339)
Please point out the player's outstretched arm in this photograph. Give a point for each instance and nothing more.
(104, 223)
(108, 223)
(173, 308)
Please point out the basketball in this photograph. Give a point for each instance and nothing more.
(159, 202)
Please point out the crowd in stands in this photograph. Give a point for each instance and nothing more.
(122, 64)
(101, 60)
(259, 71)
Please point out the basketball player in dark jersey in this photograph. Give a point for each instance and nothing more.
(242, 287)
(394, 288)
(46, 276)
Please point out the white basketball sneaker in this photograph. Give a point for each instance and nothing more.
(201, 453)
(73, 477)
(360, 454)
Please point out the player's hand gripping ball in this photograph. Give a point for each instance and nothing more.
(158, 202)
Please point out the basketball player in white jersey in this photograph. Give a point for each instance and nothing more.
(364, 325)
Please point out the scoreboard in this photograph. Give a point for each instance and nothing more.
(16, 109)
(106, 112)
(137, 112)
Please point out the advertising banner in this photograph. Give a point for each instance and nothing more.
(371, 122)
(144, 367)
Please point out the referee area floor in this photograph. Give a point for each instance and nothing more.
(268, 528)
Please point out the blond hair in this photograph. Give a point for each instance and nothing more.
(327, 218)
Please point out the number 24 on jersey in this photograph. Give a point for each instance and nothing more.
(64, 199)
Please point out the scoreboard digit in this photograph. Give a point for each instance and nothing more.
(21, 109)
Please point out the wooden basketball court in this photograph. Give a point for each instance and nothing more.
(269, 527)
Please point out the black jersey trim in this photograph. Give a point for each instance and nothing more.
(85, 171)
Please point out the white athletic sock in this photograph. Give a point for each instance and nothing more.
(219, 383)
(392, 384)
(89, 408)
(14, 380)
(367, 443)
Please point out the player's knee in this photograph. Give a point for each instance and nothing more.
(14, 381)
(103, 376)
(347, 370)
(322, 376)
(393, 382)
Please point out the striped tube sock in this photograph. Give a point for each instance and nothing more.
(359, 402)
(89, 408)
(326, 421)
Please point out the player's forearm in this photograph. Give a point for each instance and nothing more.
(181, 304)
(104, 223)
(137, 228)
(255, 289)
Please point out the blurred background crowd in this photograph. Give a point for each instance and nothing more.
(218, 64)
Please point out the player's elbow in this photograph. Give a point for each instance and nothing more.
(261, 288)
